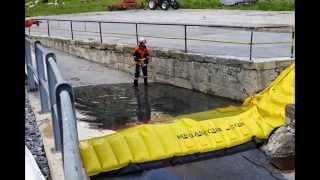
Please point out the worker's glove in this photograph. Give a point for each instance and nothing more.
(142, 62)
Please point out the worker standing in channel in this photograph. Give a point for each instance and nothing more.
(141, 58)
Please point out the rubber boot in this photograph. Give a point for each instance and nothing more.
(145, 81)
(135, 83)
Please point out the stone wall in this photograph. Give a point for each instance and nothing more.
(227, 77)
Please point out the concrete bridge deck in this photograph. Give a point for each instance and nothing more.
(190, 16)
(125, 33)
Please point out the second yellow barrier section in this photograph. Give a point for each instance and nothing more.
(194, 133)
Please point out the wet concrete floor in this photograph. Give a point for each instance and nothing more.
(115, 106)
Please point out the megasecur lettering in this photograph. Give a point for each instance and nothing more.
(207, 132)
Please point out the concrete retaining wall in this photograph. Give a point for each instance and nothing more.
(226, 77)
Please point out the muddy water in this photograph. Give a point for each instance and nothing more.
(116, 106)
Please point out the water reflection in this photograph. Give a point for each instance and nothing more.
(117, 106)
(143, 106)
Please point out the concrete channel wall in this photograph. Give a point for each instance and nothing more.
(227, 77)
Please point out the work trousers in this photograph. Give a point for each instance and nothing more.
(144, 71)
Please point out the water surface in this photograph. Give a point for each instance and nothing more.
(116, 106)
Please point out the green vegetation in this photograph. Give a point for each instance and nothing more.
(78, 6)
(200, 4)
(69, 6)
(267, 5)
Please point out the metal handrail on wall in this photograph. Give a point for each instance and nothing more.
(56, 96)
(185, 27)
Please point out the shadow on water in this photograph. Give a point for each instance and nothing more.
(116, 106)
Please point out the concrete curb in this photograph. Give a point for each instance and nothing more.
(44, 123)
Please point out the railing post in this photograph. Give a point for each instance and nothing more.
(292, 44)
(45, 107)
(71, 28)
(185, 39)
(32, 86)
(71, 155)
(48, 26)
(137, 33)
(100, 32)
(251, 39)
(63, 112)
(54, 115)
(62, 86)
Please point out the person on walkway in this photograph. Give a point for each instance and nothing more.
(141, 58)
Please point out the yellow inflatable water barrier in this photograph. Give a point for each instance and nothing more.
(200, 132)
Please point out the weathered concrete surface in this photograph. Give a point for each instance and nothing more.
(205, 40)
(190, 16)
(227, 77)
(80, 72)
(199, 39)
(156, 35)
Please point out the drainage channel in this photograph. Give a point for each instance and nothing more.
(117, 106)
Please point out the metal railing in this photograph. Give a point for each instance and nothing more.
(56, 96)
(186, 38)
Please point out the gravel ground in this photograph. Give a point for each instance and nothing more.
(33, 140)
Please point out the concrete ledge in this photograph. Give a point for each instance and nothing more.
(45, 126)
(230, 77)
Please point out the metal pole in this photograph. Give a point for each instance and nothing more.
(71, 155)
(185, 39)
(44, 96)
(100, 32)
(251, 45)
(71, 30)
(32, 86)
(54, 77)
(50, 58)
(137, 33)
(292, 44)
(48, 28)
